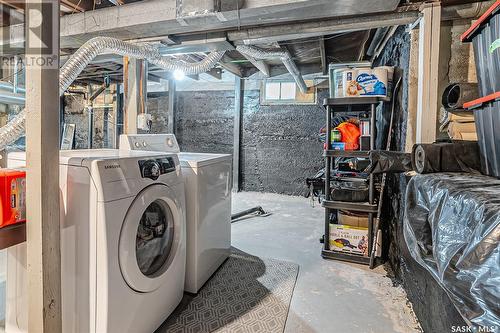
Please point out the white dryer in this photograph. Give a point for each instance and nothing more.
(208, 204)
(123, 247)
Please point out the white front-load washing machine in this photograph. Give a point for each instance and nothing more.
(123, 246)
(208, 180)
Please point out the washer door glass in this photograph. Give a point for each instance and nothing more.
(155, 235)
(151, 238)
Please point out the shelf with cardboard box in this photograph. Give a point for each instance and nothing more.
(349, 202)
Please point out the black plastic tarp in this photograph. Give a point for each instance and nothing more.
(389, 162)
(452, 228)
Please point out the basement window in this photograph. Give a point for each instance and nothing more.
(285, 92)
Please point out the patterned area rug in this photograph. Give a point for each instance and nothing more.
(247, 294)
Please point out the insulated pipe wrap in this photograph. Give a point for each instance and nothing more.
(87, 52)
(285, 57)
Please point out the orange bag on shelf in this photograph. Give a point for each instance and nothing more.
(12, 197)
(350, 135)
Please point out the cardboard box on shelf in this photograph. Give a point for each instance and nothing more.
(354, 220)
(345, 238)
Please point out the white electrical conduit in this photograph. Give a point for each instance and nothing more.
(285, 57)
(87, 52)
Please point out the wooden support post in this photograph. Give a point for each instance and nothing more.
(428, 61)
(238, 120)
(135, 91)
(42, 159)
(324, 59)
(118, 114)
(412, 92)
(171, 106)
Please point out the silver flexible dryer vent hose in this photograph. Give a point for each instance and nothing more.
(87, 52)
(285, 57)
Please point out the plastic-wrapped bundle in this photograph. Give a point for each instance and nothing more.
(452, 228)
(87, 52)
(457, 156)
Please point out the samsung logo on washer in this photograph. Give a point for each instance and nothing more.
(112, 166)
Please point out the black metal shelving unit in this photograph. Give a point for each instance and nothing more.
(348, 105)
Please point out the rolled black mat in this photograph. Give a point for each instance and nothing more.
(389, 162)
(456, 156)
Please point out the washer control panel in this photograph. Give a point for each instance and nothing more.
(154, 168)
(150, 142)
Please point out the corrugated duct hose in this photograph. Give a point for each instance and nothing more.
(285, 57)
(87, 52)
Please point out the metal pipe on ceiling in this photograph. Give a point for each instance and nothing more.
(402, 16)
(376, 40)
(10, 88)
(258, 35)
(7, 97)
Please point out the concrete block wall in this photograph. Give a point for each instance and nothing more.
(280, 145)
(157, 105)
(204, 121)
(75, 113)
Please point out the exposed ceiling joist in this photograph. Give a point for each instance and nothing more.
(280, 71)
(145, 19)
(261, 65)
(13, 4)
(117, 2)
(230, 67)
(215, 73)
(205, 42)
(74, 6)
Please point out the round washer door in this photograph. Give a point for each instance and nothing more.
(150, 238)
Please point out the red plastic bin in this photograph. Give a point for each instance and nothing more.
(487, 118)
(485, 35)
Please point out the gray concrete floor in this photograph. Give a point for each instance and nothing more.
(329, 296)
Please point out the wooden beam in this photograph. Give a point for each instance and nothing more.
(75, 6)
(322, 52)
(215, 73)
(261, 65)
(230, 67)
(116, 2)
(42, 176)
(171, 106)
(428, 63)
(135, 90)
(238, 119)
(13, 4)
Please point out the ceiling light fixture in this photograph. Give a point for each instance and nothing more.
(179, 75)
